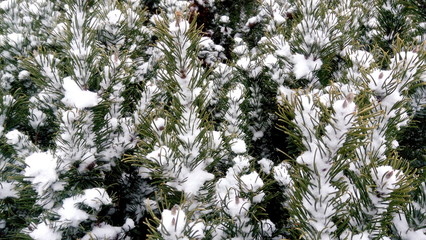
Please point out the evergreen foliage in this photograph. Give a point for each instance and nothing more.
(212, 119)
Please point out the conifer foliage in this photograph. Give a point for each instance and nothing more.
(212, 119)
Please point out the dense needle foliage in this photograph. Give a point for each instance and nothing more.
(212, 119)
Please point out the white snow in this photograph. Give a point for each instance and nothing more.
(43, 231)
(304, 66)
(158, 125)
(5, 5)
(268, 227)
(252, 21)
(71, 215)
(156, 18)
(37, 118)
(270, 61)
(359, 57)
(8, 100)
(34, 8)
(243, 63)
(13, 137)
(236, 206)
(21, 143)
(361, 236)
(240, 50)
(238, 146)
(179, 27)
(41, 170)
(224, 19)
(160, 155)
(252, 181)
(172, 223)
(103, 231)
(197, 229)
(24, 74)
(15, 39)
(129, 224)
(7, 189)
(2, 119)
(143, 105)
(59, 29)
(115, 17)
(106, 231)
(283, 47)
(394, 144)
(216, 139)
(257, 135)
(192, 180)
(386, 179)
(341, 123)
(76, 97)
(281, 174)
(404, 230)
(236, 93)
(379, 79)
(196, 92)
(240, 163)
(278, 18)
(266, 165)
(307, 116)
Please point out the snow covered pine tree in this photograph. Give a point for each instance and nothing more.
(212, 119)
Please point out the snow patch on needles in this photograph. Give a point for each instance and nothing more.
(174, 225)
(238, 146)
(266, 165)
(75, 97)
(304, 66)
(191, 180)
(43, 231)
(7, 190)
(281, 174)
(14, 137)
(386, 179)
(71, 215)
(115, 17)
(106, 231)
(359, 57)
(404, 230)
(41, 171)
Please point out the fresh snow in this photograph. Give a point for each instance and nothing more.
(281, 174)
(158, 125)
(5, 5)
(304, 66)
(16, 39)
(76, 97)
(14, 137)
(252, 181)
(106, 231)
(43, 231)
(37, 118)
(41, 171)
(238, 146)
(7, 189)
(173, 222)
(71, 215)
(224, 19)
(266, 165)
(115, 17)
(191, 180)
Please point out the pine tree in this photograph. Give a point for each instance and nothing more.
(203, 119)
